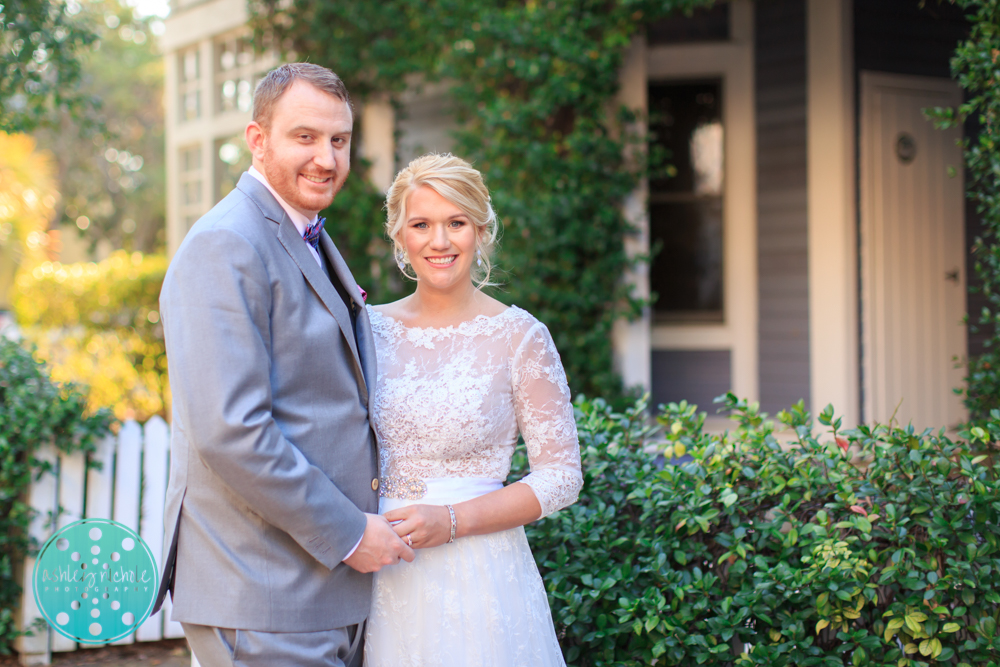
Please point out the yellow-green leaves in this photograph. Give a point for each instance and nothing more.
(913, 621)
(891, 627)
(930, 647)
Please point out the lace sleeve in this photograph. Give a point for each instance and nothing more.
(545, 418)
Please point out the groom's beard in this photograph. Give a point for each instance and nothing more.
(301, 196)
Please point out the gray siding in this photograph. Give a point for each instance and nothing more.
(780, 71)
(695, 376)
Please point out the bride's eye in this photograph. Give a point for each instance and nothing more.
(457, 223)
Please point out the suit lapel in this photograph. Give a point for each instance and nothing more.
(289, 237)
(296, 247)
(365, 341)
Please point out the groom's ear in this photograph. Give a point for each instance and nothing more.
(256, 138)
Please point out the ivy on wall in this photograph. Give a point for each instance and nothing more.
(976, 66)
(34, 412)
(533, 88)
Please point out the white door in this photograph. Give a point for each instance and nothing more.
(912, 253)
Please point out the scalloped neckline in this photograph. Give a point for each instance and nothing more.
(393, 322)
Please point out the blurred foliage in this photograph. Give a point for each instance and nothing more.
(35, 412)
(110, 167)
(976, 65)
(534, 87)
(872, 546)
(356, 222)
(98, 324)
(41, 44)
(27, 197)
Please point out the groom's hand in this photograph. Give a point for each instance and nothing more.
(380, 546)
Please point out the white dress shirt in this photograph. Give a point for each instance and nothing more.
(301, 222)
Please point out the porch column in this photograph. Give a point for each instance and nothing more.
(378, 145)
(832, 227)
(632, 340)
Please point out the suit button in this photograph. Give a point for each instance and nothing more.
(375, 484)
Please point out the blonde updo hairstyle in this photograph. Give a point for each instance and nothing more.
(461, 184)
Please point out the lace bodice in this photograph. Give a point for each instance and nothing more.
(450, 403)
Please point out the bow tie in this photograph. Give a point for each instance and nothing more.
(312, 233)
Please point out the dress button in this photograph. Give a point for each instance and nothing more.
(375, 484)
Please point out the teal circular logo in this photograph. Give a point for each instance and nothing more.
(95, 581)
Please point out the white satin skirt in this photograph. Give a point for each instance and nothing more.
(477, 602)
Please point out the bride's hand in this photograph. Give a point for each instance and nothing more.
(421, 526)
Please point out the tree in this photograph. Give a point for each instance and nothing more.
(41, 43)
(110, 165)
(27, 198)
(98, 324)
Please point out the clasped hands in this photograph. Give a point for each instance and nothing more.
(421, 526)
(393, 536)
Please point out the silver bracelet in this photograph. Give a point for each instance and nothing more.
(454, 523)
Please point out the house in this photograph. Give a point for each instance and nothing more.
(814, 242)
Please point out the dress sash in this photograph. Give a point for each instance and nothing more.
(445, 491)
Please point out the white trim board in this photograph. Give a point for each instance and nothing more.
(832, 211)
(733, 62)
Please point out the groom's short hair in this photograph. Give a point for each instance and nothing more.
(280, 79)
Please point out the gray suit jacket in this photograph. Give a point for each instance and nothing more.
(272, 452)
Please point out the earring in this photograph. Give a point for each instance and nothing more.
(479, 257)
(399, 261)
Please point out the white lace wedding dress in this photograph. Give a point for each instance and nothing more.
(449, 404)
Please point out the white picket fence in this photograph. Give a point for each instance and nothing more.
(130, 488)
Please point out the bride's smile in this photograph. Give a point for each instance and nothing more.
(440, 241)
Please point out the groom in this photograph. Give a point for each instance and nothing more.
(271, 521)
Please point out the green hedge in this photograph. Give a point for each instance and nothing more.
(34, 411)
(873, 546)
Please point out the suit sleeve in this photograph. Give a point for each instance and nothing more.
(216, 315)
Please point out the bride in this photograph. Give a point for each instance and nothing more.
(459, 376)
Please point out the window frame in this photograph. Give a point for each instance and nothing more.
(732, 62)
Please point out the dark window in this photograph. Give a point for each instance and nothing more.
(685, 200)
(704, 25)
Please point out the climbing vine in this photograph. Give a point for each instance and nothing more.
(533, 88)
(35, 412)
(976, 66)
